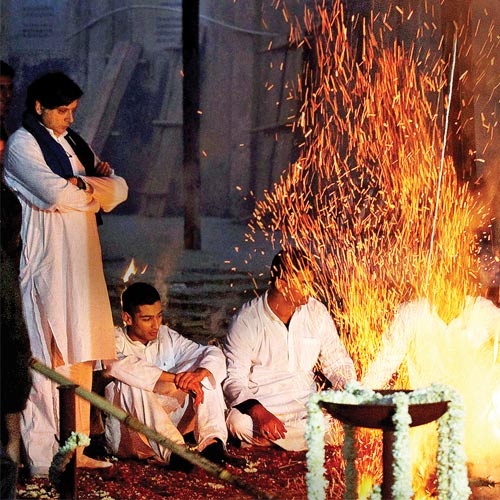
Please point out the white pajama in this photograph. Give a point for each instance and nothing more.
(240, 425)
(41, 415)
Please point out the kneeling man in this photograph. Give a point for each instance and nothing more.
(167, 382)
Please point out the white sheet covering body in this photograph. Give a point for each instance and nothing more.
(65, 298)
(136, 373)
(464, 354)
(274, 364)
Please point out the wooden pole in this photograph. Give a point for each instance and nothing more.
(69, 484)
(388, 464)
(191, 124)
(461, 143)
(194, 458)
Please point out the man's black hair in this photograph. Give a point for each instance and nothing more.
(290, 260)
(6, 69)
(52, 90)
(138, 294)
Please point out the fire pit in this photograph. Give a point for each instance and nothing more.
(394, 412)
(380, 416)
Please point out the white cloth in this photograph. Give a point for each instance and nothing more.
(274, 364)
(136, 373)
(418, 325)
(65, 298)
(463, 354)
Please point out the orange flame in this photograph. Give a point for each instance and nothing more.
(132, 270)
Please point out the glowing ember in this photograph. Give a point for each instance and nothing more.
(372, 199)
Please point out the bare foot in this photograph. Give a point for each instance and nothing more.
(85, 462)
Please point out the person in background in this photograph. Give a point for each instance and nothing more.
(166, 381)
(11, 208)
(61, 185)
(273, 345)
(15, 374)
(7, 74)
(15, 349)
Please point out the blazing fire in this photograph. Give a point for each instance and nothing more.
(374, 199)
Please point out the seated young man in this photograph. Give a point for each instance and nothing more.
(167, 382)
(273, 346)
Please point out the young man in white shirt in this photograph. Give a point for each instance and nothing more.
(168, 382)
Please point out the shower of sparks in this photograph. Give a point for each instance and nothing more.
(361, 197)
(362, 194)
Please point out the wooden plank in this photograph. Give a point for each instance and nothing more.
(273, 132)
(162, 182)
(241, 106)
(103, 104)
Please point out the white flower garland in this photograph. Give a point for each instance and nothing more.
(64, 455)
(451, 460)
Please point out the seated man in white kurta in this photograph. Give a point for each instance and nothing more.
(273, 346)
(166, 381)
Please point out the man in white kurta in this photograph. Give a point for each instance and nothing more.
(273, 345)
(64, 293)
(166, 381)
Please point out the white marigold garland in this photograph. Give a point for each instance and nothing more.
(64, 454)
(451, 459)
(315, 456)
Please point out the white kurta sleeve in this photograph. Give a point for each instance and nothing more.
(27, 173)
(134, 371)
(189, 355)
(334, 360)
(108, 191)
(130, 368)
(238, 351)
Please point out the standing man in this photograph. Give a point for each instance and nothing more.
(11, 208)
(273, 344)
(6, 88)
(166, 381)
(61, 185)
(15, 346)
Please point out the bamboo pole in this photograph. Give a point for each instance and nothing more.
(194, 458)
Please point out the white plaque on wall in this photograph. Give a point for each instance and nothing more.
(37, 26)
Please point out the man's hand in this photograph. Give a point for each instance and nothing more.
(266, 424)
(103, 169)
(78, 182)
(190, 382)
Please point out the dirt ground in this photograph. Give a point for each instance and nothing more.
(273, 473)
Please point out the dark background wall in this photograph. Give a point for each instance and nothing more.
(245, 141)
(127, 57)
